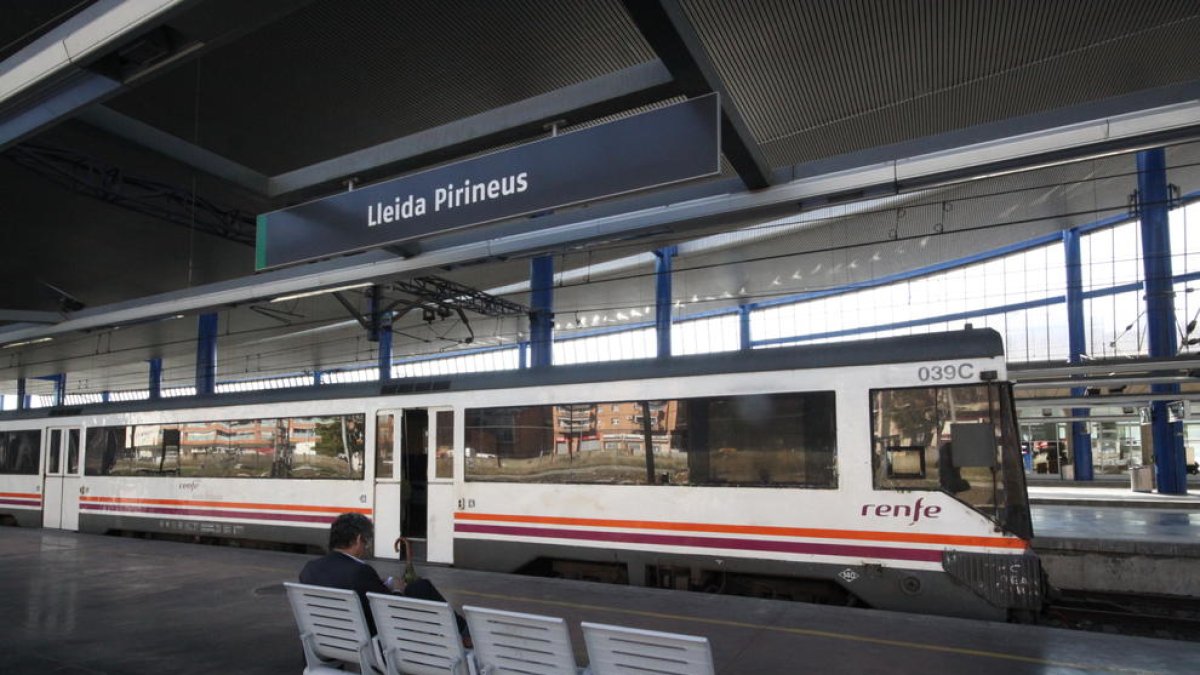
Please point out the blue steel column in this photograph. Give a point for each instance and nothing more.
(60, 388)
(155, 383)
(381, 332)
(541, 318)
(744, 326)
(1081, 440)
(1153, 204)
(206, 355)
(22, 397)
(385, 347)
(662, 299)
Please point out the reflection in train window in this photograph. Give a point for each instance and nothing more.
(444, 462)
(19, 452)
(952, 439)
(768, 441)
(385, 443)
(297, 447)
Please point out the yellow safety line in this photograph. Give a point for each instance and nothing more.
(815, 633)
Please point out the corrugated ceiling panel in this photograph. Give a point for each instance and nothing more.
(335, 77)
(821, 78)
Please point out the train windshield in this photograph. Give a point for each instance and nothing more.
(960, 440)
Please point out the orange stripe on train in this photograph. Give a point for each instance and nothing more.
(817, 533)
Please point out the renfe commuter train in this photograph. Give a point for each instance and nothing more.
(884, 473)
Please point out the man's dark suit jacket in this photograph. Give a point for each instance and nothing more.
(338, 570)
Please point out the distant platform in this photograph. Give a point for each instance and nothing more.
(1116, 542)
(77, 604)
(1108, 493)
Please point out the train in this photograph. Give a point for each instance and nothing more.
(883, 473)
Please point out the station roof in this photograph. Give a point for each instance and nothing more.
(140, 140)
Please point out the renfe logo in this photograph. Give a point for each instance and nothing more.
(914, 511)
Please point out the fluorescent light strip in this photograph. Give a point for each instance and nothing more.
(309, 294)
(28, 342)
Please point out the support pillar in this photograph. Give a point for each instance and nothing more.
(22, 397)
(522, 355)
(1153, 206)
(744, 327)
(155, 381)
(316, 378)
(1081, 440)
(206, 355)
(385, 347)
(662, 299)
(381, 333)
(60, 388)
(104, 396)
(541, 318)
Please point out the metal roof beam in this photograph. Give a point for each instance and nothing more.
(1032, 124)
(1105, 382)
(666, 27)
(1102, 401)
(176, 148)
(629, 88)
(80, 39)
(29, 316)
(111, 46)
(1034, 375)
(665, 210)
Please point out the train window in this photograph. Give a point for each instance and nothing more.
(297, 447)
(104, 447)
(54, 451)
(19, 452)
(444, 462)
(72, 451)
(915, 433)
(385, 444)
(770, 441)
(569, 443)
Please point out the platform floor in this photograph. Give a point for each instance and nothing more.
(1110, 494)
(90, 604)
(1129, 523)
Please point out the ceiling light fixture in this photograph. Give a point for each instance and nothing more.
(309, 294)
(28, 342)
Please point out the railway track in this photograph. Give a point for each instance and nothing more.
(1161, 617)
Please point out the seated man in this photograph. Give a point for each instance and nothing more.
(350, 538)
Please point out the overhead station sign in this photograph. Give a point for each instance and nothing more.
(675, 143)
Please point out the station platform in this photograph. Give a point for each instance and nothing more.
(1113, 540)
(77, 604)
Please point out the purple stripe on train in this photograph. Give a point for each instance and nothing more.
(845, 550)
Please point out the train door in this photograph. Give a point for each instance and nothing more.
(60, 482)
(440, 502)
(388, 425)
(414, 474)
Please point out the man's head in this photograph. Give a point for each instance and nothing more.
(351, 531)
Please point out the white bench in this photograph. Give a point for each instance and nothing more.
(333, 629)
(615, 650)
(511, 643)
(419, 637)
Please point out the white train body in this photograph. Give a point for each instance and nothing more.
(848, 498)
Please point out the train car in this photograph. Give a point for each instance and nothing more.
(885, 472)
